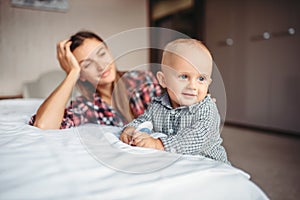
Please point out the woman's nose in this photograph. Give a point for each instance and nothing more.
(98, 65)
(101, 64)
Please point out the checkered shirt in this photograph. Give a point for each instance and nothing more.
(190, 130)
(141, 88)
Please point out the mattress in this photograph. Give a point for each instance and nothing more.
(90, 162)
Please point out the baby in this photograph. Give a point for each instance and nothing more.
(185, 114)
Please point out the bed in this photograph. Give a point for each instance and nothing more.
(89, 162)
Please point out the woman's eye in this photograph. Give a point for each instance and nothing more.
(101, 53)
(183, 76)
(86, 65)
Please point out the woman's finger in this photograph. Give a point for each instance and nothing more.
(61, 45)
(60, 49)
(67, 46)
(67, 51)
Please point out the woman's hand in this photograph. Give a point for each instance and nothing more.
(50, 114)
(65, 57)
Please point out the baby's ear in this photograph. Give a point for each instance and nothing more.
(209, 81)
(161, 79)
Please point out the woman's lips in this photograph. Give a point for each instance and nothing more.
(105, 73)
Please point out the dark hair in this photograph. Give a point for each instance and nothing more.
(119, 100)
(85, 87)
(80, 36)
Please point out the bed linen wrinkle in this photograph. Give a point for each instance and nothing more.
(59, 164)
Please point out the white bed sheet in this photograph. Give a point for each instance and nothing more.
(89, 162)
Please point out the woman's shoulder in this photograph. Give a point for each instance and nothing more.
(139, 75)
(136, 73)
(81, 99)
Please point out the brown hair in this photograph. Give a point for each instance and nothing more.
(120, 99)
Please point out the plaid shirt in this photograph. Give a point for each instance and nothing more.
(189, 129)
(141, 87)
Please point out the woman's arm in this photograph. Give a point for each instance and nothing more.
(50, 113)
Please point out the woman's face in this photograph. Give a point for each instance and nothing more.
(96, 63)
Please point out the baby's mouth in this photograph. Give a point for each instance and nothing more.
(189, 94)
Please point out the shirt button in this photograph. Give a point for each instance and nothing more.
(171, 131)
(172, 112)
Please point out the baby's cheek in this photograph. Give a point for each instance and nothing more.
(179, 85)
(202, 93)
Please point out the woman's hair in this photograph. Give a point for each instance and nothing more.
(120, 99)
(80, 36)
(85, 87)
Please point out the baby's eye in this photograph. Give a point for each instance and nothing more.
(183, 76)
(201, 78)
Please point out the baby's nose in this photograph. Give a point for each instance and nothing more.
(192, 84)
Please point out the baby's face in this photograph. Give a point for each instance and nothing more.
(185, 83)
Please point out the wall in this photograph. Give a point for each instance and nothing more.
(260, 74)
(28, 37)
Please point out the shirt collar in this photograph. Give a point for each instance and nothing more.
(97, 98)
(165, 101)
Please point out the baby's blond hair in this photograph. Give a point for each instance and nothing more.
(192, 50)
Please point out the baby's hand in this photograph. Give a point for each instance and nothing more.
(126, 135)
(142, 139)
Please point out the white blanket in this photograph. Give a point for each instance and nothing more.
(89, 162)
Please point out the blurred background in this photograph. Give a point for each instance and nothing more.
(255, 45)
(28, 36)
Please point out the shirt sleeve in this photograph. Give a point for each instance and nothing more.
(32, 120)
(197, 138)
(73, 114)
(146, 116)
(70, 118)
(77, 113)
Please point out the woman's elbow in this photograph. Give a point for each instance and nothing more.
(45, 126)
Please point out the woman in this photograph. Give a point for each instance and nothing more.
(108, 97)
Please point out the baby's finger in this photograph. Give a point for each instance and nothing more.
(139, 142)
(137, 135)
(144, 135)
(124, 138)
(129, 131)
